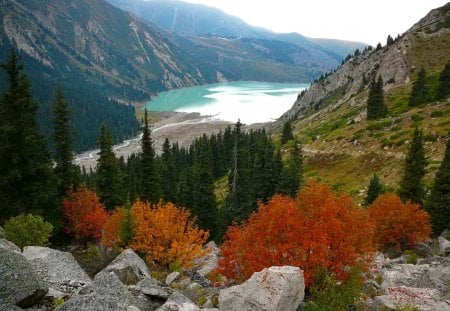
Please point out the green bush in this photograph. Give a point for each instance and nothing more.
(436, 114)
(411, 257)
(25, 230)
(327, 294)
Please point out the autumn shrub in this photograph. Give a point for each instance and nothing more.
(27, 229)
(316, 230)
(118, 229)
(398, 225)
(166, 234)
(84, 215)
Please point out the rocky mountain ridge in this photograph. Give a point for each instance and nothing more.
(394, 63)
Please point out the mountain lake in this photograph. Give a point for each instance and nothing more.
(251, 102)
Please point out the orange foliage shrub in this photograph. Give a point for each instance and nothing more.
(166, 234)
(111, 230)
(399, 225)
(84, 214)
(317, 229)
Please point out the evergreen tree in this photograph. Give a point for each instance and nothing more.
(411, 185)
(420, 92)
(287, 134)
(68, 173)
(108, 179)
(27, 183)
(374, 190)
(292, 175)
(204, 201)
(438, 203)
(390, 40)
(150, 182)
(444, 82)
(376, 108)
(168, 174)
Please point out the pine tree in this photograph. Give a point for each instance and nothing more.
(108, 179)
(411, 185)
(444, 82)
(374, 190)
(68, 174)
(287, 134)
(150, 181)
(376, 108)
(27, 183)
(168, 174)
(438, 203)
(292, 175)
(390, 40)
(420, 92)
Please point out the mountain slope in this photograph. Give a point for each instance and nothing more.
(195, 20)
(330, 117)
(100, 55)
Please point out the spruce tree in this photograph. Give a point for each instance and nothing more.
(411, 185)
(68, 173)
(287, 134)
(150, 181)
(108, 179)
(444, 82)
(374, 190)
(420, 92)
(376, 108)
(438, 203)
(27, 182)
(168, 174)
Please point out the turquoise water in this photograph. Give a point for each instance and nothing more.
(251, 102)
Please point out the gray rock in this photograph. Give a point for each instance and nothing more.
(383, 303)
(2, 232)
(209, 262)
(152, 289)
(172, 277)
(19, 283)
(60, 270)
(9, 307)
(178, 302)
(9, 246)
(129, 267)
(106, 293)
(272, 289)
(444, 246)
(423, 249)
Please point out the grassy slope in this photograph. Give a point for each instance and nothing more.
(344, 149)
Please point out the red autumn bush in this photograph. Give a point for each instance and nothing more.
(84, 214)
(166, 234)
(316, 230)
(111, 236)
(398, 225)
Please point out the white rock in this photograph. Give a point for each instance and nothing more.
(209, 262)
(129, 267)
(59, 270)
(272, 289)
(172, 277)
(9, 246)
(179, 302)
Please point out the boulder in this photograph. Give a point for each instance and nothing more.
(425, 299)
(150, 288)
(9, 307)
(444, 246)
(105, 293)
(60, 270)
(172, 277)
(272, 289)
(9, 246)
(129, 267)
(19, 283)
(178, 302)
(209, 262)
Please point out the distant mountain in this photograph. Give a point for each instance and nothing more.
(99, 54)
(195, 20)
